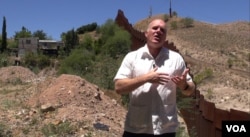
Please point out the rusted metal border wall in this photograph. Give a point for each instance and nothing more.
(203, 119)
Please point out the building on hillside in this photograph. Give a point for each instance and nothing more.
(34, 45)
(50, 47)
(27, 45)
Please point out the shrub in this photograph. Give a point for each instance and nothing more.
(36, 62)
(77, 63)
(174, 25)
(203, 75)
(187, 22)
(62, 129)
(4, 131)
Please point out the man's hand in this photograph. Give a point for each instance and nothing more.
(181, 81)
(158, 77)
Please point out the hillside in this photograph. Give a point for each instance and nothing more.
(39, 104)
(222, 48)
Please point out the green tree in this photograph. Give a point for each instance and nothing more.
(4, 36)
(87, 28)
(24, 33)
(175, 13)
(77, 63)
(118, 44)
(87, 42)
(71, 40)
(116, 41)
(40, 34)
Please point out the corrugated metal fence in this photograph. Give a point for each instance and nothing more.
(203, 119)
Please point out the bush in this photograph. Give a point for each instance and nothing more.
(187, 22)
(34, 61)
(4, 61)
(62, 129)
(77, 63)
(174, 25)
(203, 75)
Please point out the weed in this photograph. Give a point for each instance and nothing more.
(209, 93)
(4, 131)
(7, 104)
(62, 129)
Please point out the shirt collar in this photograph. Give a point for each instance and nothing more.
(146, 54)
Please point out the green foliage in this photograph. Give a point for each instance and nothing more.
(87, 43)
(42, 61)
(198, 78)
(4, 61)
(98, 60)
(40, 34)
(3, 45)
(8, 104)
(12, 44)
(116, 40)
(71, 40)
(209, 93)
(63, 129)
(183, 102)
(109, 50)
(174, 25)
(77, 63)
(24, 33)
(165, 17)
(86, 28)
(103, 71)
(108, 30)
(5, 131)
(175, 13)
(125, 100)
(39, 61)
(181, 132)
(187, 22)
(117, 44)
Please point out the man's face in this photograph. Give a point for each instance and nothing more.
(156, 33)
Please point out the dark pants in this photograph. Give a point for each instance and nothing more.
(128, 134)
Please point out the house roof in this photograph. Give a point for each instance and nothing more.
(47, 41)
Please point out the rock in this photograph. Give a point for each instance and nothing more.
(47, 108)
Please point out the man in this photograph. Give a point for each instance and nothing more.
(151, 75)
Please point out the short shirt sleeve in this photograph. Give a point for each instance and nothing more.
(126, 68)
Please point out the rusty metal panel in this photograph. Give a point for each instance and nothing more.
(197, 122)
(205, 120)
(208, 111)
(208, 128)
(239, 115)
(201, 105)
(218, 133)
(197, 97)
(219, 116)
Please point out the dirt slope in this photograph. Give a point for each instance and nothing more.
(35, 102)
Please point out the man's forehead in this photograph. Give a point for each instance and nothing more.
(158, 23)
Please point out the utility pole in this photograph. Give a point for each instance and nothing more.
(170, 10)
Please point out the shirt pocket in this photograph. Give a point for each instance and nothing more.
(139, 117)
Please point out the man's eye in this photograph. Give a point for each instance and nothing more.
(163, 30)
(155, 28)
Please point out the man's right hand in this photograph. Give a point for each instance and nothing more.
(158, 77)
